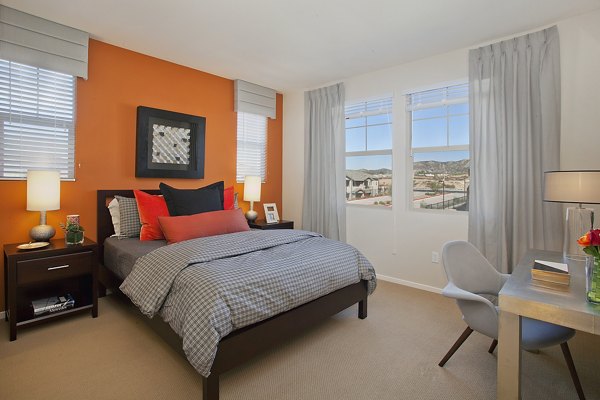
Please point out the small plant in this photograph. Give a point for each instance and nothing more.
(73, 232)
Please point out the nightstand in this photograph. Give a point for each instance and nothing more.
(262, 224)
(56, 270)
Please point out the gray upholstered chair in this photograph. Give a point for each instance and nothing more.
(475, 284)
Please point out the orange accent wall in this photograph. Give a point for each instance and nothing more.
(119, 81)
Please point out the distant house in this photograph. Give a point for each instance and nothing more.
(360, 184)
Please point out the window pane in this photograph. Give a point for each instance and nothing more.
(354, 122)
(429, 132)
(369, 180)
(429, 113)
(462, 108)
(441, 180)
(379, 137)
(355, 139)
(379, 119)
(459, 130)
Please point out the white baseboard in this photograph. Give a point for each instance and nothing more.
(410, 283)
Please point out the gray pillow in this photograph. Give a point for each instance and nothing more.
(130, 217)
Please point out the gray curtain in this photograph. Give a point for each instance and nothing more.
(514, 94)
(324, 208)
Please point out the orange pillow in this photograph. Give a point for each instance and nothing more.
(150, 208)
(228, 201)
(186, 227)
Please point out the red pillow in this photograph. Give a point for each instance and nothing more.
(185, 227)
(228, 198)
(150, 208)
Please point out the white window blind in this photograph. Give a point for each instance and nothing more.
(37, 121)
(455, 94)
(251, 146)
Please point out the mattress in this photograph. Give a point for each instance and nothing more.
(121, 254)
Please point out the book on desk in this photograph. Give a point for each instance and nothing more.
(550, 274)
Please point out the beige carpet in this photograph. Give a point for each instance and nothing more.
(393, 354)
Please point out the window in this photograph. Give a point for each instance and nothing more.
(440, 148)
(37, 121)
(251, 146)
(369, 153)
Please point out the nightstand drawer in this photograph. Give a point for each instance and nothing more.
(50, 268)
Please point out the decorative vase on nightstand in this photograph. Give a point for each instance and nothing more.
(73, 231)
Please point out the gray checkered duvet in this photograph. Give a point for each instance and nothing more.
(205, 288)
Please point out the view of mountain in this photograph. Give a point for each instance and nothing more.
(381, 171)
(460, 167)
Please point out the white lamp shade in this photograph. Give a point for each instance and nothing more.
(572, 186)
(252, 188)
(43, 190)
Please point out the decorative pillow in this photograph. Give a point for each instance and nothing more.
(150, 207)
(129, 218)
(113, 208)
(228, 198)
(178, 229)
(193, 201)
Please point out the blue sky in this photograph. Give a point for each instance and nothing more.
(369, 162)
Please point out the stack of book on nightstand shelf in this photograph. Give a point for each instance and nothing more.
(550, 274)
(52, 304)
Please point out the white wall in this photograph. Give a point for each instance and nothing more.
(399, 241)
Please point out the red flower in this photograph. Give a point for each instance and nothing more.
(595, 237)
(585, 240)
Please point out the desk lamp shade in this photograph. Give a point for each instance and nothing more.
(579, 187)
(252, 194)
(43, 194)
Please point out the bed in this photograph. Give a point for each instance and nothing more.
(239, 345)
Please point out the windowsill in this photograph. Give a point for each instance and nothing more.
(369, 206)
(443, 212)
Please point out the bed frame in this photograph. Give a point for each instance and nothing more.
(243, 344)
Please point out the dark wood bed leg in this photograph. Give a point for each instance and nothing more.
(362, 308)
(210, 387)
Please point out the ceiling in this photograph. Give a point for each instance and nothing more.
(288, 45)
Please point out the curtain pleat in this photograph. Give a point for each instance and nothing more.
(514, 97)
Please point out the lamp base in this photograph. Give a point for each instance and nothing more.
(251, 215)
(578, 222)
(42, 233)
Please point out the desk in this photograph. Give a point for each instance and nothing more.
(518, 298)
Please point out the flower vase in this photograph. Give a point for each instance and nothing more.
(75, 237)
(592, 286)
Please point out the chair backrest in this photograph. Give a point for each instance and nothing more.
(470, 271)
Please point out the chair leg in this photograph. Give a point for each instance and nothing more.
(569, 359)
(456, 345)
(493, 346)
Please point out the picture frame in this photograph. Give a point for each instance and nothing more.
(271, 214)
(169, 144)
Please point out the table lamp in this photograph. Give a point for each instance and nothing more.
(579, 187)
(43, 194)
(252, 194)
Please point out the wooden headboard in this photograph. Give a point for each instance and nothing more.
(104, 226)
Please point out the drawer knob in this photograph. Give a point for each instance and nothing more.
(58, 267)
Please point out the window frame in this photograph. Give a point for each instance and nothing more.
(363, 153)
(431, 149)
(40, 121)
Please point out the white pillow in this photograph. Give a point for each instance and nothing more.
(113, 208)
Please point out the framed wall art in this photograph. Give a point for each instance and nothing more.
(169, 144)
(271, 214)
